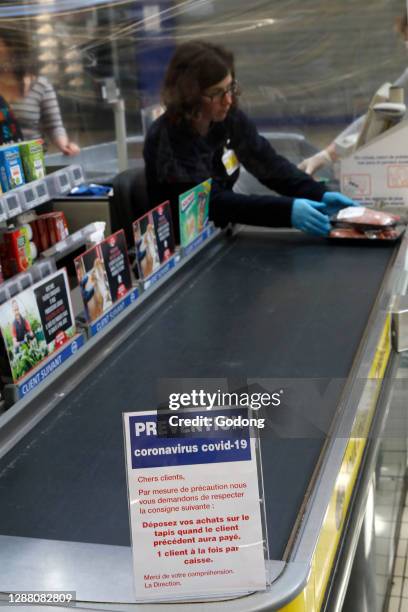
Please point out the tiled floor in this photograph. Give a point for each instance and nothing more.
(399, 592)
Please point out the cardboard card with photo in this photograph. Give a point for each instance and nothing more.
(116, 260)
(23, 333)
(193, 211)
(93, 283)
(147, 251)
(164, 231)
(55, 307)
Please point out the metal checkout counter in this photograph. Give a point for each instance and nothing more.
(268, 308)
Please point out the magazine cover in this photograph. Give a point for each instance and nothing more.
(147, 252)
(36, 322)
(193, 211)
(154, 239)
(93, 283)
(115, 258)
(164, 231)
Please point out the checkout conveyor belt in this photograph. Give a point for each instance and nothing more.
(280, 306)
(267, 305)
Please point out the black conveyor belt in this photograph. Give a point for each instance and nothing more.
(278, 305)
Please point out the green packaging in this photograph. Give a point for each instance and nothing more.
(193, 211)
(32, 156)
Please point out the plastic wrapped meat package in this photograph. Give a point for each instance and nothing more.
(358, 222)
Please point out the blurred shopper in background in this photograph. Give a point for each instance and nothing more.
(9, 128)
(31, 97)
(204, 134)
(329, 154)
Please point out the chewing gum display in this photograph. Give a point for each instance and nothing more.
(32, 157)
(11, 168)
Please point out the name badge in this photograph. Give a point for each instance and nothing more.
(230, 161)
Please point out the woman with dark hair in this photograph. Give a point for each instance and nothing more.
(204, 134)
(31, 97)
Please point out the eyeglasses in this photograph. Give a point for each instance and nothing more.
(233, 90)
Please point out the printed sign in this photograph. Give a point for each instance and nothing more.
(37, 322)
(115, 257)
(154, 239)
(194, 507)
(55, 310)
(93, 283)
(103, 275)
(193, 211)
(376, 173)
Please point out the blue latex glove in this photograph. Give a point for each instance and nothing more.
(307, 217)
(335, 201)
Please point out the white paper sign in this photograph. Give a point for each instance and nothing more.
(377, 173)
(194, 510)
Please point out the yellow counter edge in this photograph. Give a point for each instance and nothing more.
(312, 596)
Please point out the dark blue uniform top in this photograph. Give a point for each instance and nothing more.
(177, 158)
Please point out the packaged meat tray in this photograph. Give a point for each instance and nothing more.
(361, 217)
(390, 234)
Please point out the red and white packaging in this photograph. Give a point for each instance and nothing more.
(41, 233)
(15, 251)
(57, 226)
(48, 229)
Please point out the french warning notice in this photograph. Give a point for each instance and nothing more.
(194, 511)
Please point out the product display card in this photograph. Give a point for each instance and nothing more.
(93, 283)
(193, 211)
(154, 239)
(103, 275)
(115, 257)
(194, 507)
(37, 322)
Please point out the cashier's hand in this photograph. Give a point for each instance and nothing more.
(307, 216)
(334, 201)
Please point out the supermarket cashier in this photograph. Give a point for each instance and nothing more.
(203, 133)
